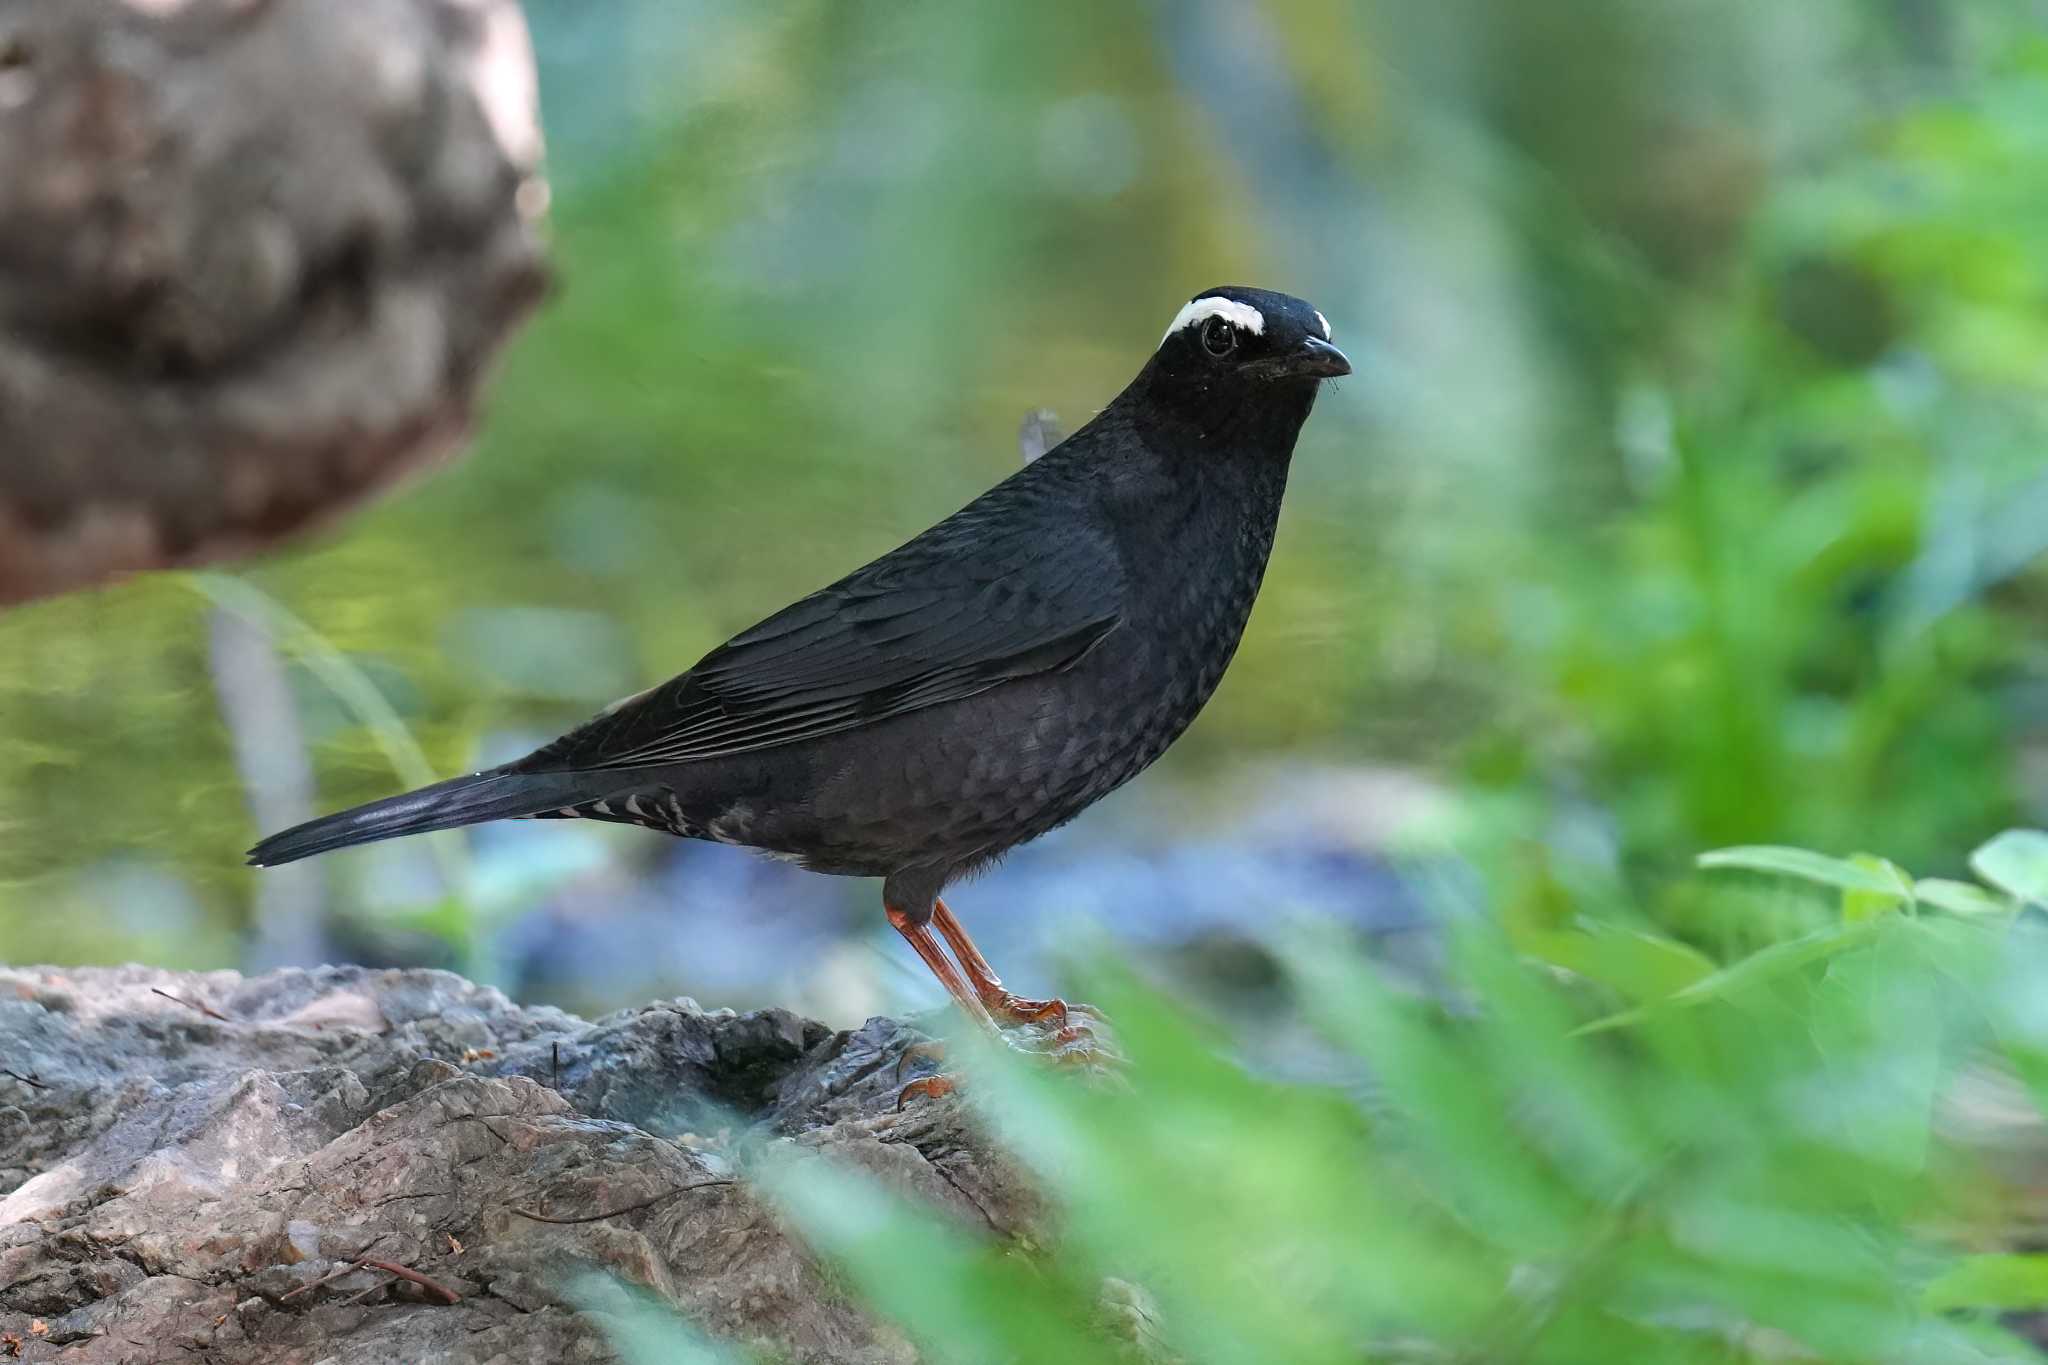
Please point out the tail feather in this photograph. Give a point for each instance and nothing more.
(491, 795)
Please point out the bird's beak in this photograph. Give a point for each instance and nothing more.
(1317, 359)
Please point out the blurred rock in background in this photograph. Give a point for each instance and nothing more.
(254, 259)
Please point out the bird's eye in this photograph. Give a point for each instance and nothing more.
(1219, 338)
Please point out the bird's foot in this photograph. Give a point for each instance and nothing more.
(1052, 1031)
(1006, 1008)
(1064, 1034)
(1085, 1042)
(932, 1087)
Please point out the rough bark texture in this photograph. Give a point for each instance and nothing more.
(254, 255)
(180, 1186)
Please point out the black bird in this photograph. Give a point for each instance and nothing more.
(974, 688)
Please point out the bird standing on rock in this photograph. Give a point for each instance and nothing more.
(974, 688)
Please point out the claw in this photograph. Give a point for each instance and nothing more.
(1074, 1045)
(1017, 1010)
(1079, 1047)
(1068, 1034)
(928, 1087)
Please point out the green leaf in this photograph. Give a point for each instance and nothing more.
(870, 1231)
(1773, 962)
(1875, 1015)
(1640, 966)
(643, 1329)
(1859, 904)
(1776, 961)
(1991, 1281)
(1807, 866)
(2016, 862)
(1961, 898)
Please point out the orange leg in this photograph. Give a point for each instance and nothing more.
(980, 995)
(988, 987)
(919, 936)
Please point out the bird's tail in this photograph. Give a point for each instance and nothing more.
(495, 794)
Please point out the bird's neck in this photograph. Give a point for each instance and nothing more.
(1226, 422)
(1203, 497)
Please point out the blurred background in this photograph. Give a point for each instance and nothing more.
(1690, 490)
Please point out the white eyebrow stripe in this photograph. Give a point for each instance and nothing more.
(1326, 325)
(1230, 310)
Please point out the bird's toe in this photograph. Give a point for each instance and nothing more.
(925, 1087)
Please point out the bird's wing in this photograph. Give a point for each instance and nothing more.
(963, 608)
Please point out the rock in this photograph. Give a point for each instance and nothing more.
(209, 1167)
(254, 258)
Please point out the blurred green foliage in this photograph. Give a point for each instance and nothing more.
(1805, 1155)
(1690, 492)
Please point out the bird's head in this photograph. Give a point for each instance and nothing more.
(1252, 336)
(1241, 359)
